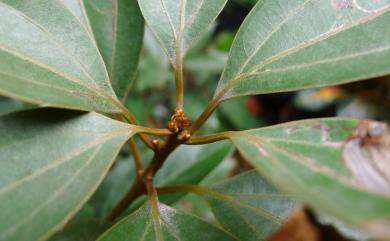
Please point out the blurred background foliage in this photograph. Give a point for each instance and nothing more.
(152, 101)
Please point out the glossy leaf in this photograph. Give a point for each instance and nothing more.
(51, 162)
(175, 225)
(297, 44)
(178, 23)
(118, 29)
(50, 58)
(247, 206)
(319, 161)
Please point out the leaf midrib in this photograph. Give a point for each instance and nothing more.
(53, 164)
(290, 15)
(36, 82)
(326, 61)
(54, 40)
(321, 37)
(204, 191)
(55, 194)
(248, 223)
(114, 39)
(241, 76)
(52, 70)
(304, 161)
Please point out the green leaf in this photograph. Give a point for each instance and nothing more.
(326, 164)
(211, 62)
(190, 165)
(9, 105)
(297, 44)
(81, 230)
(247, 206)
(51, 162)
(175, 225)
(152, 74)
(177, 24)
(186, 165)
(238, 115)
(118, 29)
(50, 58)
(116, 184)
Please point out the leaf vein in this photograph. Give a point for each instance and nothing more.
(56, 42)
(329, 60)
(55, 163)
(290, 15)
(35, 211)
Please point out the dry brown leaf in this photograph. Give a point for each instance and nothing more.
(303, 226)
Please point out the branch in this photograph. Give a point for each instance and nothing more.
(139, 186)
(137, 189)
(131, 119)
(201, 140)
(136, 155)
(204, 116)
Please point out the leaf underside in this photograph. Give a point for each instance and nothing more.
(289, 45)
(175, 225)
(46, 155)
(304, 158)
(177, 24)
(118, 29)
(247, 206)
(49, 57)
(199, 162)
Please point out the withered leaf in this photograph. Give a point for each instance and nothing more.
(367, 156)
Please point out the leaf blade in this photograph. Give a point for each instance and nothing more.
(200, 162)
(304, 158)
(178, 23)
(41, 174)
(118, 28)
(51, 51)
(296, 50)
(175, 225)
(246, 205)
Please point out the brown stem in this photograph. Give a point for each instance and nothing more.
(204, 116)
(139, 186)
(136, 155)
(135, 191)
(161, 155)
(131, 119)
(200, 140)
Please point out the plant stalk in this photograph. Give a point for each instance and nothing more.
(131, 119)
(204, 116)
(137, 189)
(136, 155)
(201, 140)
(139, 186)
(179, 85)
